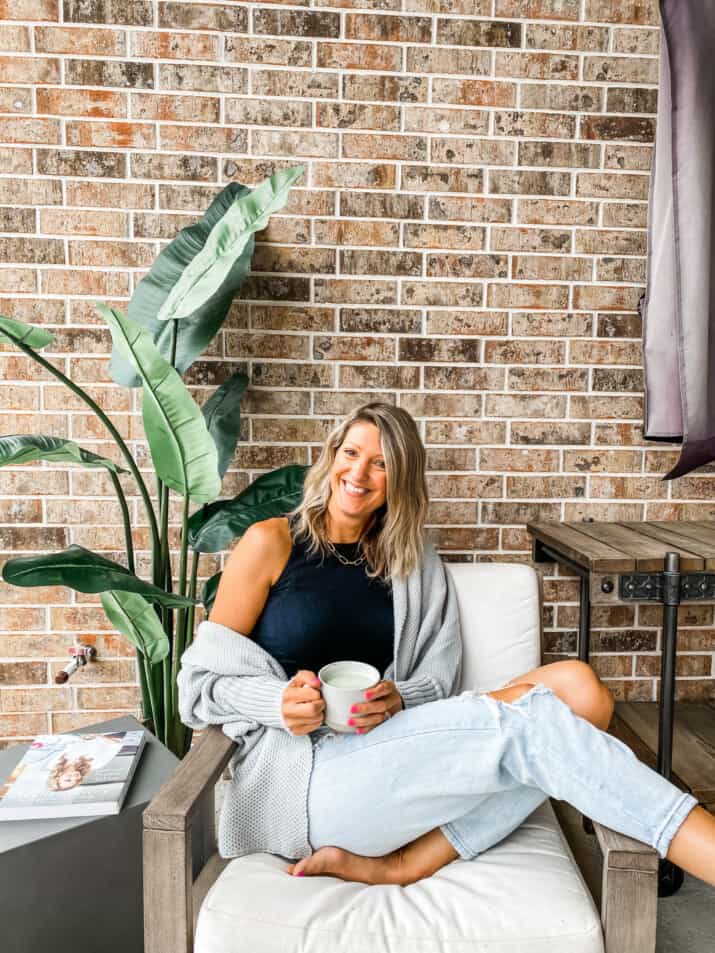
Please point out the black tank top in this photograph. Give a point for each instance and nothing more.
(320, 613)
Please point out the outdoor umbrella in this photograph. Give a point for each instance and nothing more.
(678, 307)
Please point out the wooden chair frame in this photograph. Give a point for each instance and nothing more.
(181, 862)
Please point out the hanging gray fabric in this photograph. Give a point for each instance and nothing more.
(678, 306)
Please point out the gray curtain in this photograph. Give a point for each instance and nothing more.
(677, 308)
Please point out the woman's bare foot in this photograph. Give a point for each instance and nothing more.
(336, 862)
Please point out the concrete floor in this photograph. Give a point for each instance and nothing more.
(686, 921)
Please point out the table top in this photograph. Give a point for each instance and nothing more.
(631, 547)
(156, 765)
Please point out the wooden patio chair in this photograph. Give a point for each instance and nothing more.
(525, 894)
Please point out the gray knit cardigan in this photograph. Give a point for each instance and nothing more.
(227, 679)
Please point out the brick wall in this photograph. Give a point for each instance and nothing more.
(468, 241)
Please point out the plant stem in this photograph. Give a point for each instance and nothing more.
(146, 668)
(126, 518)
(131, 463)
(166, 612)
(181, 615)
(189, 634)
(144, 681)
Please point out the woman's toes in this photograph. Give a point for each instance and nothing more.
(325, 860)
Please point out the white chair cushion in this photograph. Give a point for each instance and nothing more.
(500, 616)
(524, 895)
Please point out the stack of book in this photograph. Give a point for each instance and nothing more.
(72, 775)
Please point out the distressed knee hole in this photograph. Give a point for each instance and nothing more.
(511, 693)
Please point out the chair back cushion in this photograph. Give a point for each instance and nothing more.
(500, 614)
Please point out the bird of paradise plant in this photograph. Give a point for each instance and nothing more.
(174, 313)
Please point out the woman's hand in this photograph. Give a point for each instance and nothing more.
(303, 703)
(381, 698)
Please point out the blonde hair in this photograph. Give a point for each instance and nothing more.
(82, 764)
(392, 540)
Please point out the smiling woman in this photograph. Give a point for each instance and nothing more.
(329, 544)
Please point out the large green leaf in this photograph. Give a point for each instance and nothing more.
(208, 593)
(134, 617)
(182, 450)
(194, 334)
(23, 448)
(222, 413)
(16, 331)
(213, 527)
(208, 271)
(85, 571)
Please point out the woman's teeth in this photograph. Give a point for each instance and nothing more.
(353, 490)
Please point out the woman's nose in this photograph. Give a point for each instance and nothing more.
(359, 470)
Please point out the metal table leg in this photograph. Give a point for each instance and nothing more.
(544, 553)
(670, 877)
(584, 617)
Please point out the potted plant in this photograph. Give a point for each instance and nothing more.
(173, 315)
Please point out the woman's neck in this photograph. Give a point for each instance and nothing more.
(339, 532)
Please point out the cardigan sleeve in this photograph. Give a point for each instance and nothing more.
(208, 697)
(437, 671)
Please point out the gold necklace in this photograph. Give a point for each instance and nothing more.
(343, 559)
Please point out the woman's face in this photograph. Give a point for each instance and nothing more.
(358, 478)
(69, 779)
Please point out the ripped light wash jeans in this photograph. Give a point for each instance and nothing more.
(476, 767)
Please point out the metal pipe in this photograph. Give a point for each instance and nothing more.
(584, 609)
(671, 601)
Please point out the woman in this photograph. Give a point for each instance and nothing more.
(428, 776)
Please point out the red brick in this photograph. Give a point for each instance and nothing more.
(84, 222)
(14, 38)
(33, 131)
(367, 56)
(97, 103)
(111, 135)
(164, 45)
(79, 40)
(473, 92)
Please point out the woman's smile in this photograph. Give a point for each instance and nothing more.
(353, 490)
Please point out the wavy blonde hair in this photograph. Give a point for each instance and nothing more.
(392, 540)
(83, 765)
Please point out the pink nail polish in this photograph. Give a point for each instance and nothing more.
(368, 695)
(351, 721)
(359, 731)
(300, 873)
(353, 709)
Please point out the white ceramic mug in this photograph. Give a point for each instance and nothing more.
(343, 684)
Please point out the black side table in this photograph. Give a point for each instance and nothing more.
(74, 884)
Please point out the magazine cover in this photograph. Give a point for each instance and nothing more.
(72, 775)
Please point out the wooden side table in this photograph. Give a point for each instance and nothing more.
(664, 562)
(75, 883)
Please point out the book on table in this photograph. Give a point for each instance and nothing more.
(72, 775)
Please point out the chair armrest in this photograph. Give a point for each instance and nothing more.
(173, 805)
(179, 838)
(629, 898)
